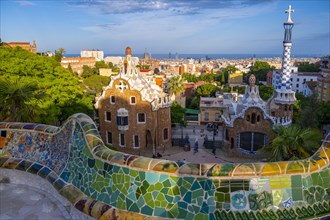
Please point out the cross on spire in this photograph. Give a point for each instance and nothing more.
(289, 11)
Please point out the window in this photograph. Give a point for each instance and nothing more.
(285, 107)
(258, 118)
(136, 143)
(253, 118)
(297, 85)
(122, 120)
(297, 79)
(3, 134)
(108, 116)
(109, 137)
(248, 118)
(217, 116)
(122, 140)
(206, 116)
(112, 99)
(133, 100)
(141, 117)
(165, 133)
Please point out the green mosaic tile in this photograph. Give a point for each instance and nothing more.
(140, 202)
(297, 194)
(133, 173)
(147, 210)
(163, 177)
(187, 198)
(160, 212)
(197, 193)
(134, 208)
(195, 186)
(169, 199)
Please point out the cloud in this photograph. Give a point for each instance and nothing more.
(25, 3)
(176, 7)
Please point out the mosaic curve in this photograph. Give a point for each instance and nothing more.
(74, 156)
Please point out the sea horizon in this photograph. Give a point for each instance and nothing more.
(210, 56)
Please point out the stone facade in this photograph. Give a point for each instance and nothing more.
(249, 123)
(134, 113)
(24, 45)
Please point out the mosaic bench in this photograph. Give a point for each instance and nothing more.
(107, 184)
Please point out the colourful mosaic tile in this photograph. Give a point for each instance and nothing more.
(107, 184)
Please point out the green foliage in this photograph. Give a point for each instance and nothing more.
(113, 67)
(194, 104)
(89, 71)
(266, 92)
(101, 64)
(190, 77)
(308, 67)
(176, 85)
(63, 95)
(260, 70)
(323, 114)
(225, 73)
(294, 143)
(177, 113)
(239, 89)
(19, 100)
(209, 77)
(206, 90)
(95, 83)
(59, 54)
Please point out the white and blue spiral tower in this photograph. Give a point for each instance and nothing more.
(284, 93)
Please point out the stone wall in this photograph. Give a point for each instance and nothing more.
(107, 184)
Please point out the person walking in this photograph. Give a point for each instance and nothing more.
(196, 145)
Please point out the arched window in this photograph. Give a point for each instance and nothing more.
(258, 118)
(248, 117)
(253, 118)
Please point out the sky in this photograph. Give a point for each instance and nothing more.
(163, 26)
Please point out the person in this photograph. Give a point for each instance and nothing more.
(194, 130)
(196, 145)
(213, 150)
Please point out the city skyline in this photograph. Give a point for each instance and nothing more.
(210, 27)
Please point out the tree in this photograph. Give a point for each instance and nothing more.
(19, 100)
(95, 83)
(323, 114)
(176, 85)
(225, 73)
(190, 77)
(308, 67)
(206, 90)
(177, 113)
(266, 92)
(260, 70)
(59, 54)
(294, 143)
(63, 93)
(88, 71)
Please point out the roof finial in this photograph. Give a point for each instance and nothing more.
(289, 11)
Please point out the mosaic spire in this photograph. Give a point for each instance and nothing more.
(284, 91)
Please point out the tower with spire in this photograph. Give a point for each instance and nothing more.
(284, 93)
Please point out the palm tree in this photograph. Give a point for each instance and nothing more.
(176, 86)
(294, 143)
(19, 101)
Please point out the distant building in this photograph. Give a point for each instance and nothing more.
(299, 79)
(211, 109)
(323, 87)
(97, 54)
(106, 72)
(134, 113)
(235, 78)
(309, 88)
(24, 45)
(77, 63)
